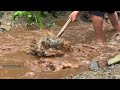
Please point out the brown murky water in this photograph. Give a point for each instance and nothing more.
(14, 61)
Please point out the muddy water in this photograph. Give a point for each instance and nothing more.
(15, 43)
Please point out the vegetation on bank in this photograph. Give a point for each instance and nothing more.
(38, 17)
(32, 17)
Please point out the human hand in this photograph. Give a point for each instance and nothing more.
(73, 16)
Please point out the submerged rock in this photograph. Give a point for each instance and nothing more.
(49, 47)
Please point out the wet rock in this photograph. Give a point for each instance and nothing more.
(111, 66)
(2, 30)
(5, 27)
(94, 66)
(84, 63)
(102, 64)
(112, 77)
(47, 47)
(29, 74)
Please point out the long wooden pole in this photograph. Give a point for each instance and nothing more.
(63, 28)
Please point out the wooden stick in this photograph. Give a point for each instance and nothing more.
(63, 28)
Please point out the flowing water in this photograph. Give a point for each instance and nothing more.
(16, 63)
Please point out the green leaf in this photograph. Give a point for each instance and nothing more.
(29, 16)
(22, 13)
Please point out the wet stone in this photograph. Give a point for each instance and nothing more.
(112, 77)
(29, 74)
(102, 64)
(47, 47)
(2, 30)
(5, 27)
(94, 66)
(111, 66)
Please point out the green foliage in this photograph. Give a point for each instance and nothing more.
(32, 17)
(1, 13)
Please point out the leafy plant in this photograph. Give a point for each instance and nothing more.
(1, 13)
(32, 17)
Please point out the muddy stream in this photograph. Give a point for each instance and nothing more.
(16, 63)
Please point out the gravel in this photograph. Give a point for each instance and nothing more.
(111, 72)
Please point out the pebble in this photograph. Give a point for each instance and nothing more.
(5, 27)
(94, 66)
(111, 66)
(29, 74)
